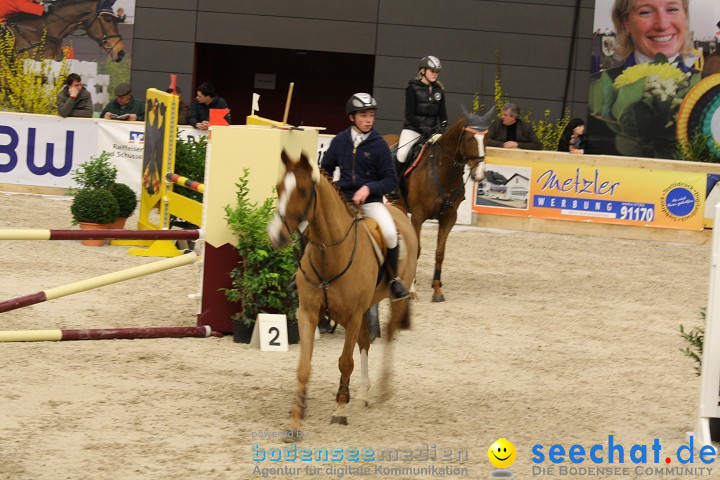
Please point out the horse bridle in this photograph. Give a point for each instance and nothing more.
(105, 37)
(58, 41)
(466, 158)
(322, 282)
(449, 200)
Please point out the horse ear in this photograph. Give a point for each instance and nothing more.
(304, 162)
(285, 159)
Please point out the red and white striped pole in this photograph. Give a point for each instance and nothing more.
(105, 334)
(95, 282)
(42, 234)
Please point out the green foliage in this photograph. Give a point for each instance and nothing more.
(24, 83)
(640, 106)
(700, 148)
(94, 206)
(96, 173)
(260, 281)
(190, 163)
(126, 199)
(696, 338)
(547, 130)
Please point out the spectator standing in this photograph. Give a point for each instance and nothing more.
(509, 131)
(74, 100)
(206, 98)
(183, 108)
(573, 137)
(124, 107)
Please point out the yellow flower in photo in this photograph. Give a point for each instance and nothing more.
(637, 72)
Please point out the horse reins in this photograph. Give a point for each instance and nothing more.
(105, 37)
(323, 283)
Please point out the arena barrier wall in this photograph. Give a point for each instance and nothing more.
(599, 195)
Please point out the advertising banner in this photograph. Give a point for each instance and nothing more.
(592, 193)
(646, 98)
(43, 150)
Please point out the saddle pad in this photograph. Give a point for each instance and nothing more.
(376, 238)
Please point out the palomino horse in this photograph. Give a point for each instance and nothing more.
(95, 17)
(435, 187)
(338, 274)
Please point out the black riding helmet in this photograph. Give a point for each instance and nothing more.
(359, 102)
(430, 62)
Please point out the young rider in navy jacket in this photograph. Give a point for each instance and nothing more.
(366, 174)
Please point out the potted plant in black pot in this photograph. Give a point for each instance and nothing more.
(260, 280)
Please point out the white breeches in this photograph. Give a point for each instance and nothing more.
(408, 138)
(379, 212)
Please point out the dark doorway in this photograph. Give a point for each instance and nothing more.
(323, 81)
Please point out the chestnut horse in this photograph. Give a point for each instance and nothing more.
(436, 187)
(95, 17)
(338, 274)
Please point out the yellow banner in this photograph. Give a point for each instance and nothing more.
(592, 193)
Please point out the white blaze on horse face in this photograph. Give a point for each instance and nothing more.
(480, 168)
(289, 182)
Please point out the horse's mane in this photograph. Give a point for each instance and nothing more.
(352, 209)
(453, 131)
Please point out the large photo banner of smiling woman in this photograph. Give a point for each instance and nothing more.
(652, 79)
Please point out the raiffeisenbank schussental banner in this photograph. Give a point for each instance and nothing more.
(592, 193)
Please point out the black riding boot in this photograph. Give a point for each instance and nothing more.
(398, 291)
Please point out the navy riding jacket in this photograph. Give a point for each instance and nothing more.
(371, 164)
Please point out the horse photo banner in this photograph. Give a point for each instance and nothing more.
(638, 98)
(592, 193)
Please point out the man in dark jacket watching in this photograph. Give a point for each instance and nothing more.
(74, 100)
(511, 132)
(205, 100)
(124, 107)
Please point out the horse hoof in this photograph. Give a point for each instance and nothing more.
(339, 420)
(438, 298)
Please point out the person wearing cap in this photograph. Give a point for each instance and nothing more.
(124, 107)
(425, 112)
(73, 100)
(366, 174)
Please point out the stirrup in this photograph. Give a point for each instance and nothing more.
(398, 290)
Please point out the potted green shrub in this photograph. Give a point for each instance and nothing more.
(261, 278)
(94, 206)
(96, 173)
(127, 202)
(93, 209)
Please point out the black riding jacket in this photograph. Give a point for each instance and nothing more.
(424, 106)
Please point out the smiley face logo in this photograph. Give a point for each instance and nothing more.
(502, 453)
